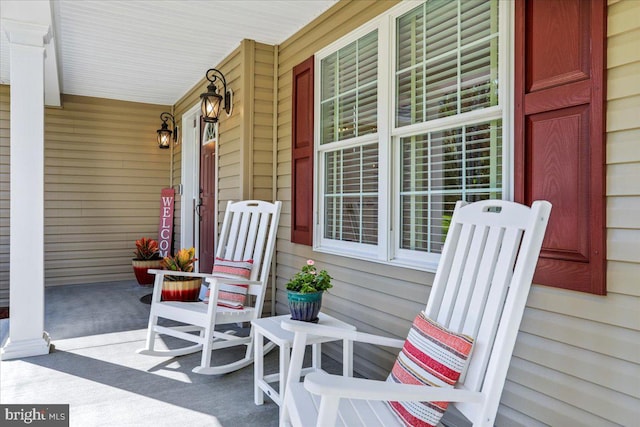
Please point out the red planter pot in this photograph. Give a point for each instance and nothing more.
(140, 268)
(181, 290)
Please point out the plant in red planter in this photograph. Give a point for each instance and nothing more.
(147, 256)
(181, 288)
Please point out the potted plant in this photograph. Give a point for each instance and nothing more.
(147, 256)
(180, 288)
(304, 292)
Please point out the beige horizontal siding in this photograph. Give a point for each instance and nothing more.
(262, 123)
(577, 358)
(103, 176)
(597, 403)
(549, 411)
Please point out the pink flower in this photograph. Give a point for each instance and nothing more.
(310, 262)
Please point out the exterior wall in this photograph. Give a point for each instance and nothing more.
(246, 137)
(577, 358)
(374, 297)
(103, 176)
(262, 149)
(245, 141)
(230, 130)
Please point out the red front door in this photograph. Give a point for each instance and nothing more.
(207, 205)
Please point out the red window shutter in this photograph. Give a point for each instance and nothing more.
(559, 134)
(302, 154)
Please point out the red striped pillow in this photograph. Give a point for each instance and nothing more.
(432, 356)
(234, 269)
(232, 296)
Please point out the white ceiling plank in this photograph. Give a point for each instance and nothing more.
(154, 51)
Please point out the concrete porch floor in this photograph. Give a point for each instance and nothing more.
(94, 368)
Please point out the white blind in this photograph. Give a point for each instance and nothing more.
(446, 59)
(349, 90)
(351, 194)
(440, 168)
(444, 63)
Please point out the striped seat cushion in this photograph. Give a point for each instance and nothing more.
(232, 296)
(432, 356)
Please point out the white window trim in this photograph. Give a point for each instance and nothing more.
(321, 244)
(388, 251)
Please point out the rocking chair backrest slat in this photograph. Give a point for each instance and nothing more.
(241, 248)
(231, 243)
(461, 252)
(467, 320)
(486, 267)
(253, 235)
(469, 278)
(247, 234)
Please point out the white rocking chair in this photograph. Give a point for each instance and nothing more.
(248, 232)
(480, 289)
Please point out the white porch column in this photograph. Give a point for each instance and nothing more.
(26, 278)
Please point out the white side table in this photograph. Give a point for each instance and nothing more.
(269, 327)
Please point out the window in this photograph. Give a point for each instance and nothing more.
(403, 133)
(210, 133)
(348, 106)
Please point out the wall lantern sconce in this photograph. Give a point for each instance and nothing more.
(211, 101)
(164, 133)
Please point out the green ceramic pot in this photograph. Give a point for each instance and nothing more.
(304, 307)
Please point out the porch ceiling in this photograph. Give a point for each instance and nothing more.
(153, 51)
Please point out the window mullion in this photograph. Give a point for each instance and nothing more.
(361, 197)
(429, 192)
(424, 64)
(358, 91)
(463, 160)
(336, 94)
(459, 59)
(493, 160)
(340, 213)
(413, 192)
(414, 107)
(336, 197)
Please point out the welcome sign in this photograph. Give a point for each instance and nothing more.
(165, 229)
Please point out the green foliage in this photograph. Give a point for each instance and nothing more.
(309, 280)
(182, 261)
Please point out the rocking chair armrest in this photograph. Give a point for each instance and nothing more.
(324, 384)
(207, 276)
(339, 333)
(177, 273)
(236, 281)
